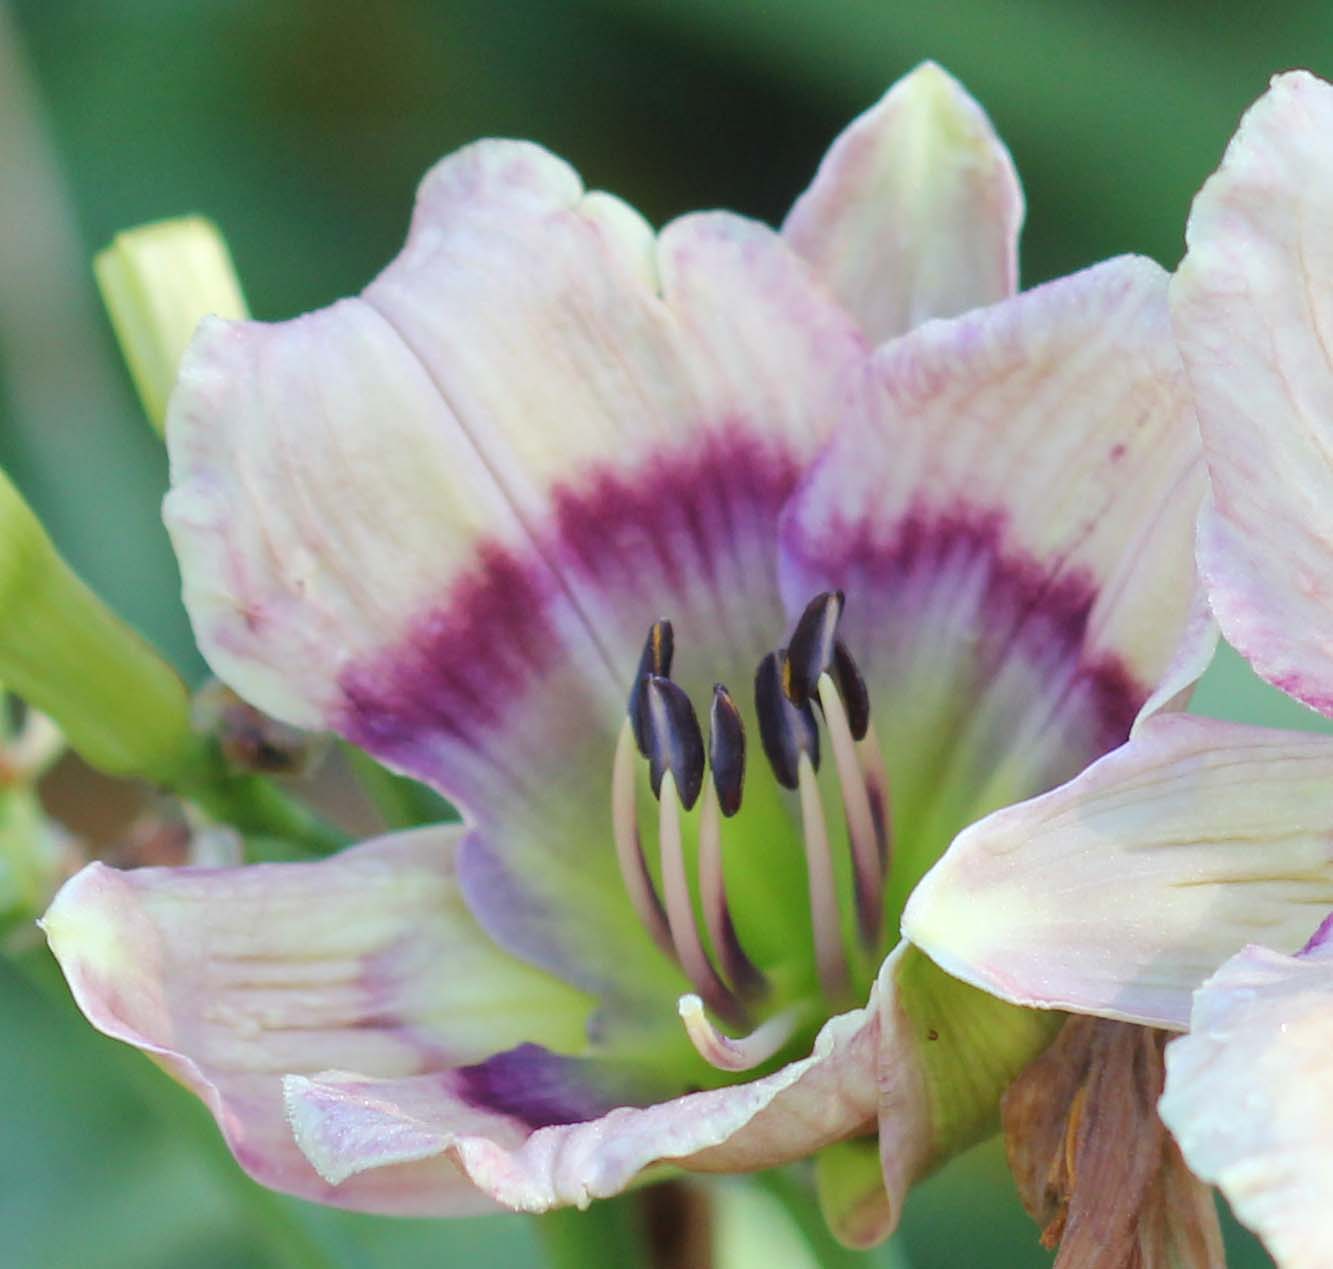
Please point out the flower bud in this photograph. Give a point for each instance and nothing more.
(157, 281)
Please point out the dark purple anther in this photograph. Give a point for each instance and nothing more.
(852, 689)
(675, 742)
(811, 650)
(658, 650)
(785, 730)
(726, 750)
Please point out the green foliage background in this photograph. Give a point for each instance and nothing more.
(302, 127)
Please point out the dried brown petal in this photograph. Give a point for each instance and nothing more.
(1092, 1161)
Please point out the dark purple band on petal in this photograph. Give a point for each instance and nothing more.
(461, 662)
(672, 537)
(1025, 607)
(509, 689)
(541, 1088)
(673, 519)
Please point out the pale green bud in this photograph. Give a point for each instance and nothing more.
(157, 282)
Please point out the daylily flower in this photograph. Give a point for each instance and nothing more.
(440, 519)
(1120, 893)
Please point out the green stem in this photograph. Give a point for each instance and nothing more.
(800, 1203)
(608, 1233)
(66, 653)
(256, 807)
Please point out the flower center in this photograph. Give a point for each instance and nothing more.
(815, 669)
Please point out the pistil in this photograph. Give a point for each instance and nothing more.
(743, 1053)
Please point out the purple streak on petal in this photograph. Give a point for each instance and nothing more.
(1026, 605)
(1321, 941)
(537, 1087)
(1306, 689)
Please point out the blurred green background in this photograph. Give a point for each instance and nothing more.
(302, 127)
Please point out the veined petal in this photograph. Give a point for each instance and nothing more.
(1249, 1100)
(1011, 517)
(440, 518)
(232, 978)
(915, 210)
(1120, 892)
(350, 1126)
(1253, 311)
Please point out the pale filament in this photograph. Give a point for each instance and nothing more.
(680, 909)
(737, 968)
(867, 866)
(871, 757)
(629, 850)
(747, 1052)
(830, 956)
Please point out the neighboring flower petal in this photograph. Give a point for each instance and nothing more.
(350, 1126)
(916, 209)
(1011, 517)
(440, 518)
(1253, 310)
(231, 978)
(1120, 892)
(1249, 1100)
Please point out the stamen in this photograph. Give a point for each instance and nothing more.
(867, 869)
(786, 731)
(726, 758)
(812, 648)
(852, 689)
(739, 970)
(830, 957)
(726, 750)
(747, 1052)
(629, 849)
(675, 743)
(659, 649)
(680, 910)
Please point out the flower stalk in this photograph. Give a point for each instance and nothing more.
(67, 654)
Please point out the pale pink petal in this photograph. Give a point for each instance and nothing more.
(232, 978)
(350, 1126)
(1120, 892)
(916, 209)
(1253, 311)
(1250, 1099)
(439, 518)
(1012, 523)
